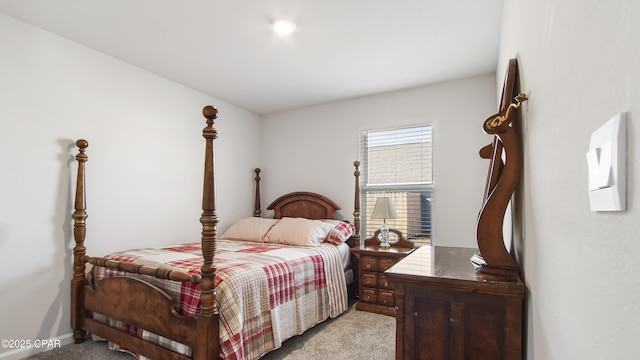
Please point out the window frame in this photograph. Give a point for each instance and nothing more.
(420, 186)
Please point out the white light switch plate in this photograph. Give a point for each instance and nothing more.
(607, 162)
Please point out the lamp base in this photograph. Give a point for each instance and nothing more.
(384, 236)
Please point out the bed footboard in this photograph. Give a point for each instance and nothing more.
(129, 300)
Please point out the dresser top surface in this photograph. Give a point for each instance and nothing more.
(440, 264)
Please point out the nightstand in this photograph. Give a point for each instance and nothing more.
(375, 292)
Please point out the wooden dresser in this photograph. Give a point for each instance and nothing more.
(375, 292)
(447, 310)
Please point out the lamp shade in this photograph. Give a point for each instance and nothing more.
(384, 209)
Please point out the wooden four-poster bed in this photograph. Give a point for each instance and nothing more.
(185, 307)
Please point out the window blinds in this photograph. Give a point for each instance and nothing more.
(397, 163)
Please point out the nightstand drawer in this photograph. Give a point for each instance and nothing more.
(369, 263)
(369, 295)
(386, 263)
(369, 279)
(385, 284)
(387, 298)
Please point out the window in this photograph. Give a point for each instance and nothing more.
(397, 163)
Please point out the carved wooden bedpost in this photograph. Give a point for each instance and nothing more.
(207, 323)
(257, 211)
(79, 233)
(356, 202)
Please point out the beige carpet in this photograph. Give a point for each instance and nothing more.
(353, 335)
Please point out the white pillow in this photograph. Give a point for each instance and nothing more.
(249, 229)
(298, 232)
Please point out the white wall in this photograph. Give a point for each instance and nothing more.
(316, 146)
(144, 174)
(579, 64)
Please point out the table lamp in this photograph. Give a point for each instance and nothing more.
(384, 210)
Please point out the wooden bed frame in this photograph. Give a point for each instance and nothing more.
(140, 304)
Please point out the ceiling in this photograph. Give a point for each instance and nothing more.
(341, 48)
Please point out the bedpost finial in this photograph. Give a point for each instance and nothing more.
(210, 112)
(82, 144)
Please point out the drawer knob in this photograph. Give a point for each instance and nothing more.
(368, 266)
(386, 283)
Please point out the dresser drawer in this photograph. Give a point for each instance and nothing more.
(369, 279)
(369, 295)
(369, 263)
(387, 298)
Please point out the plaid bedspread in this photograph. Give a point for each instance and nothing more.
(266, 293)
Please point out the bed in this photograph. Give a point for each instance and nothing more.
(238, 296)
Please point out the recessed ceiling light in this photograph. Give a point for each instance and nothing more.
(283, 26)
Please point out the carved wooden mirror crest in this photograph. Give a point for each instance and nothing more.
(505, 155)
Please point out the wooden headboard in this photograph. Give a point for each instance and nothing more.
(303, 204)
(310, 205)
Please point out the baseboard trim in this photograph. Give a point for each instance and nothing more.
(38, 346)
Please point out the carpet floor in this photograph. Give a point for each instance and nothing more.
(352, 335)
